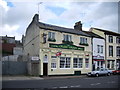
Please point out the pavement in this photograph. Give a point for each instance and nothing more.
(22, 77)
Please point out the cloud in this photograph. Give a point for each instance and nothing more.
(15, 19)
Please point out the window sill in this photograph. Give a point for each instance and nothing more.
(65, 68)
(84, 44)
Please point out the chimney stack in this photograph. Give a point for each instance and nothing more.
(36, 18)
(78, 26)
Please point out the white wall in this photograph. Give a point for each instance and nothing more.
(98, 41)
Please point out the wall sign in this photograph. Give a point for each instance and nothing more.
(98, 57)
(35, 58)
(66, 46)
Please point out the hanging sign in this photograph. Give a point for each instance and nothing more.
(58, 54)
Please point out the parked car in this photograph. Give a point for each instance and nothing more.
(116, 71)
(101, 71)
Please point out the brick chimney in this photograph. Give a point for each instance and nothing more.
(78, 26)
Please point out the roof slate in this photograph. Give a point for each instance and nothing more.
(62, 29)
(107, 32)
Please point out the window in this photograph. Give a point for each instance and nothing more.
(110, 39)
(53, 62)
(118, 40)
(77, 62)
(51, 36)
(108, 65)
(87, 62)
(83, 40)
(64, 62)
(118, 51)
(112, 66)
(110, 50)
(67, 37)
(53, 65)
(100, 48)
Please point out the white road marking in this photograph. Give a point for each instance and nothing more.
(54, 87)
(95, 84)
(75, 86)
(64, 87)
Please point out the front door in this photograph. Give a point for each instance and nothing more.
(45, 69)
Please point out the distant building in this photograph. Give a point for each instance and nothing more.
(112, 47)
(98, 50)
(10, 46)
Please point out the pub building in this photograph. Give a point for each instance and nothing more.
(61, 51)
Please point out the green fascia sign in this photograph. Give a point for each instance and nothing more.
(66, 46)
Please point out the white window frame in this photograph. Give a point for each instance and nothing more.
(67, 37)
(83, 40)
(53, 65)
(53, 62)
(51, 35)
(87, 65)
(78, 64)
(66, 61)
(100, 49)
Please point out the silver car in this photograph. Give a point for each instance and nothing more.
(101, 71)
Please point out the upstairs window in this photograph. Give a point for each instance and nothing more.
(110, 50)
(118, 51)
(51, 36)
(83, 41)
(67, 37)
(100, 48)
(110, 39)
(118, 40)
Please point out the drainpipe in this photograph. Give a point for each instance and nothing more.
(105, 52)
(92, 50)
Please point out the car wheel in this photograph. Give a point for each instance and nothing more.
(97, 74)
(114, 73)
(108, 74)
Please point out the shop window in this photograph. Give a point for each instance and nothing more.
(108, 65)
(77, 62)
(112, 66)
(110, 39)
(83, 41)
(110, 50)
(53, 65)
(87, 62)
(51, 36)
(64, 62)
(53, 62)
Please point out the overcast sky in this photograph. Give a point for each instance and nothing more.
(16, 16)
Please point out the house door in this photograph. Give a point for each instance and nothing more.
(45, 69)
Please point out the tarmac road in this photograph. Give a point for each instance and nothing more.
(112, 81)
